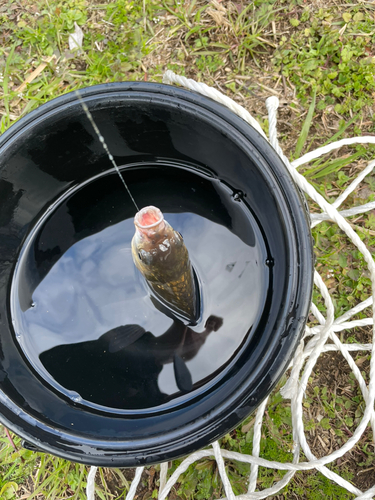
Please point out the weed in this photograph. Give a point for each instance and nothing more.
(323, 57)
(306, 127)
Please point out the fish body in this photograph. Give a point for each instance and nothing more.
(160, 254)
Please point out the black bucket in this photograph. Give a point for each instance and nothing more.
(90, 370)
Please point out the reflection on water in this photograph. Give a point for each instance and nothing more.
(128, 361)
(93, 329)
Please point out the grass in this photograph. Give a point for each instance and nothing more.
(320, 62)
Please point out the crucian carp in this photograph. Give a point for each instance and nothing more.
(160, 254)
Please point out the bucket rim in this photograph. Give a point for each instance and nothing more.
(111, 454)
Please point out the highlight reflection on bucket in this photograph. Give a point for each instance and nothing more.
(96, 364)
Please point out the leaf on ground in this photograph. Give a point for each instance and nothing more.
(246, 428)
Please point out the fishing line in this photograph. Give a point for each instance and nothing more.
(104, 144)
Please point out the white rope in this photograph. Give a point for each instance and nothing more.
(312, 155)
(202, 88)
(90, 487)
(354, 184)
(256, 445)
(313, 344)
(316, 218)
(163, 475)
(135, 482)
(222, 472)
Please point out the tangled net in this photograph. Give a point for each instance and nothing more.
(313, 343)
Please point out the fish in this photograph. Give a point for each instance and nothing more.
(160, 254)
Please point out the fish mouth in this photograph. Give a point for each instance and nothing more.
(148, 218)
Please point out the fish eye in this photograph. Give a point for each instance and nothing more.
(139, 255)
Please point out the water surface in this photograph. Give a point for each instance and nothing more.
(83, 315)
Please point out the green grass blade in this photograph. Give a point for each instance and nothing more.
(243, 13)
(306, 127)
(123, 478)
(336, 165)
(191, 8)
(342, 130)
(319, 165)
(80, 481)
(54, 476)
(196, 29)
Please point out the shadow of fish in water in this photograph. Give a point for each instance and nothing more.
(121, 368)
(177, 343)
(161, 256)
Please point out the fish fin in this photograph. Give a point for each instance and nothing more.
(121, 337)
(181, 372)
(171, 311)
